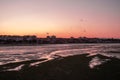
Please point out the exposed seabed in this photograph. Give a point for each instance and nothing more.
(75, 67)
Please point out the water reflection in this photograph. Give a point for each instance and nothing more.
(96, 61)
(21, 53)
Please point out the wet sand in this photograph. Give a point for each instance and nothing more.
(67, 68)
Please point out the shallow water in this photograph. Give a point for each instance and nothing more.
(11, 54)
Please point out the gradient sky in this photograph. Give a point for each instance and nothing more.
(63, 18)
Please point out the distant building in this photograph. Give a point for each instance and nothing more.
(53, 37)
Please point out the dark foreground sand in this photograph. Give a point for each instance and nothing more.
(68, 68)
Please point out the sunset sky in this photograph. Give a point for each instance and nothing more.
(63, 18)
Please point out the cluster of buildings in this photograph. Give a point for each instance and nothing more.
(7, 39)
(17, 38)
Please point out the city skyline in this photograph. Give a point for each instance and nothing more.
(63, 18)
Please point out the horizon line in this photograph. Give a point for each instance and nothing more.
(61, 37)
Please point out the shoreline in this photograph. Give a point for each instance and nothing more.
(49, 44)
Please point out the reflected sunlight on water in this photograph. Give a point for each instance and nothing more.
(11, 54)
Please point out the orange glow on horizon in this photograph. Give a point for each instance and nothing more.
(77, 18)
